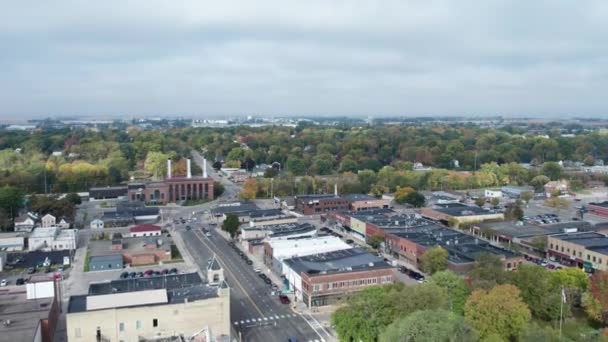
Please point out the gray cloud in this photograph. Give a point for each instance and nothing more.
(315, 57)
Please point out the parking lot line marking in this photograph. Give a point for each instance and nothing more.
(242, 322)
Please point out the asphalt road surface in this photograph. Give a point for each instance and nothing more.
(255, 313)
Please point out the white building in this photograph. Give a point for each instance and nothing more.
(279, 250)
(492, 193)
(11, 242)
(63, 223)
(97, 224)
(48, 220)
(26, 222)
(53, 239)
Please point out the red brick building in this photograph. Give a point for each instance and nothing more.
(320, 204)
(173, 189)
(323, 279)
(598, 208)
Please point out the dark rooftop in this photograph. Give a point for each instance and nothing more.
(600, 204)
(234, 208)
(586, 239)
(397, 221)
(24, 314)
(457, 209)
(106, 258)
(462, 248)
(257, 213)
(179, 287)
(359, 197)
(346, 260)
(315, 196)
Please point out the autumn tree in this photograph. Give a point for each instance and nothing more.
(249, 190)
(375, 240)
(401, 193)
(434, 260)
(557, 203)
(526, 196)
(499, 311)
(595, 300)
(495, 201)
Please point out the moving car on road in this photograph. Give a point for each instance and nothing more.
(284, 299)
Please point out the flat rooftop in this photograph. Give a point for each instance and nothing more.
(24, 314)
(457, 209)
(178, 288)
(316, 197)
(129, 245)
(342, 261)
(462, 248)
(600, 204)
(397, 221)
(234, 207)
(586, 239)
(515, 229)
(360, 197)
(256, 213)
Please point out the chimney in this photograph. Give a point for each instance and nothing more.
(188, 171)
(205, 168)
(336, 189)
(168, 168)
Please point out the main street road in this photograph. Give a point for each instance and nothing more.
(256, 314)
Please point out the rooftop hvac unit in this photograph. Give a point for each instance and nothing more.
(371, 264)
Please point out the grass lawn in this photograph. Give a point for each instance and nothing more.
(86, 261)
(175, 254)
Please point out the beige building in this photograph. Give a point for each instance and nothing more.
(584, 249)
(169, 306)
(457, 214)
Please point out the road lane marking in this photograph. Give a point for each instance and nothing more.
(235, 278)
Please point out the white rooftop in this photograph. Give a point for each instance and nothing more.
(118, 300)
(284, 249)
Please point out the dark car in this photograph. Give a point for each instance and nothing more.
(124, 275)
(173, 271)
(244, 257)
(267, 281)
(20, 281)
(149, 273)
(140, 274)
(156, 273)
(262, 275)
(132, 275)
(249, 262)
(350, 241)
(164, 272)
(284, 299)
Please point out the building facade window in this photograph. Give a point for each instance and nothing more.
(138, 324)
(155, 322)
(121, 326)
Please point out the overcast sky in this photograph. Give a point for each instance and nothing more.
(303, 57)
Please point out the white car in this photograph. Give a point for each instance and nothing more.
(207, 234)
(257, 270)
(3, 283)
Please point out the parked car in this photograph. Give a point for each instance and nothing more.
(249, 262)
(20, 281)
(284, 299)
(132, 275)
(257, 270)
(350, 241)
(207, 234)
(267, 280)
(3, 282)
(164, 272)
(140, 274)
(173, 271)
(551, 266)
(124, 275)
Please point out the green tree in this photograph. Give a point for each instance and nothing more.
(574, 281)
(557, 203)
(415, 199)
(366, 313)
(539, 182)
(156, 164)
(526, 196)
(218, 189)
(11, 199)
(401, 193)
(431, 326)
(480, 201)
(458, 291)
(231, 225)
(217, 165)
(552, 170)
(538, 290)
(487, 271)
(499, 311)
(375, 240)
(495, 201)
(73, 198)
(434, 260)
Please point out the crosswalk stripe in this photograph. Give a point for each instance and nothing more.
(293, 315)
(253, 319)
(271, 317)
(282, 316)
(242, 322)
(276, 316)
(236, 323)
(265, 318)
(248, 321)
